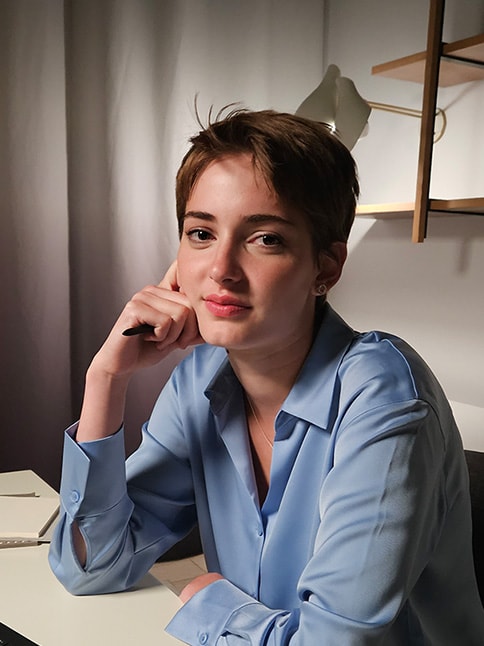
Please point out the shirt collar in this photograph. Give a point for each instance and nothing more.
(311, 396)
(222, 386)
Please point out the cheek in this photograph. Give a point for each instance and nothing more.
(190, 280)
(285, 285)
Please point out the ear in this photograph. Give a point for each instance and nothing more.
(330, 267)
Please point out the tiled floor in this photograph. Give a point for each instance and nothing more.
(176, 574)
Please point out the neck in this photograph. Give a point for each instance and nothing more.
(268, 376)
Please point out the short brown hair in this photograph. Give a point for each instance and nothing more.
(301, 160)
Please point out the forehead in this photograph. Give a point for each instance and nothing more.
(240, 167)
(234, 182)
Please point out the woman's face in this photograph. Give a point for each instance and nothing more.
(245, 261)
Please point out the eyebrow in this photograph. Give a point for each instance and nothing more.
(255, 218)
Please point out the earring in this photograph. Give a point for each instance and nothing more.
(321, 290)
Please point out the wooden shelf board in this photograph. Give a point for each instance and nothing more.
(384, 210)
(471, 48)
(412, 68)
(464, 206)
(468, 205)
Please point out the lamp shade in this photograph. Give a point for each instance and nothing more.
(337, 103)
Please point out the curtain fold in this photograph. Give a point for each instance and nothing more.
(34, 319)
(96, 107)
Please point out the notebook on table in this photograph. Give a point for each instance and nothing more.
(28, 507)
(26, 516)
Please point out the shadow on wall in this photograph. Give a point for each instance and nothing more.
(430, 294)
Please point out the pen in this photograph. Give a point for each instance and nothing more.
(139, 329)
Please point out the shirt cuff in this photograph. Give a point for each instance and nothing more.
(221, 609)
(93, 473)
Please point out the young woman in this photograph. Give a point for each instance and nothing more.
(322, 465)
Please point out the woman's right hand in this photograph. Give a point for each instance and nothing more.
(168, 311)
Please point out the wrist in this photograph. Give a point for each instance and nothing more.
(98, 376)
(103, 406)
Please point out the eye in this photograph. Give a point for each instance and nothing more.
(198, 235)
(268, 240)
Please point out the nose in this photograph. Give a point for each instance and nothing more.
(225, 266)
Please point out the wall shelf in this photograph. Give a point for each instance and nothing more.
(468, 205)
(386, 210)
(452, 72)
(463, 206)
(440, 65)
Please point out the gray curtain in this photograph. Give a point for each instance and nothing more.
(96, 106)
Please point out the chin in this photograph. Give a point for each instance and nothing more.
(223, 338)
(222, 341)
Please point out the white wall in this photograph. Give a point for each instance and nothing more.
(430, 293)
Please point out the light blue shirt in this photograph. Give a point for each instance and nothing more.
(364, 537)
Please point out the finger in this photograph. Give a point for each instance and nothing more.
(168, 312)
(148, 314)
(170, 279)
(159, 319)
(190, 334)
(158, 299)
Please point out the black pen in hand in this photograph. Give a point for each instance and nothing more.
(139, 329)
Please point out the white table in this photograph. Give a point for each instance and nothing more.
(35, 604)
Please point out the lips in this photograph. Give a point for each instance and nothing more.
(225, 306)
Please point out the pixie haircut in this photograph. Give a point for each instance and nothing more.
(301, 160)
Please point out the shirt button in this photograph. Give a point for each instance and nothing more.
(75, 497)
(203, 639)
